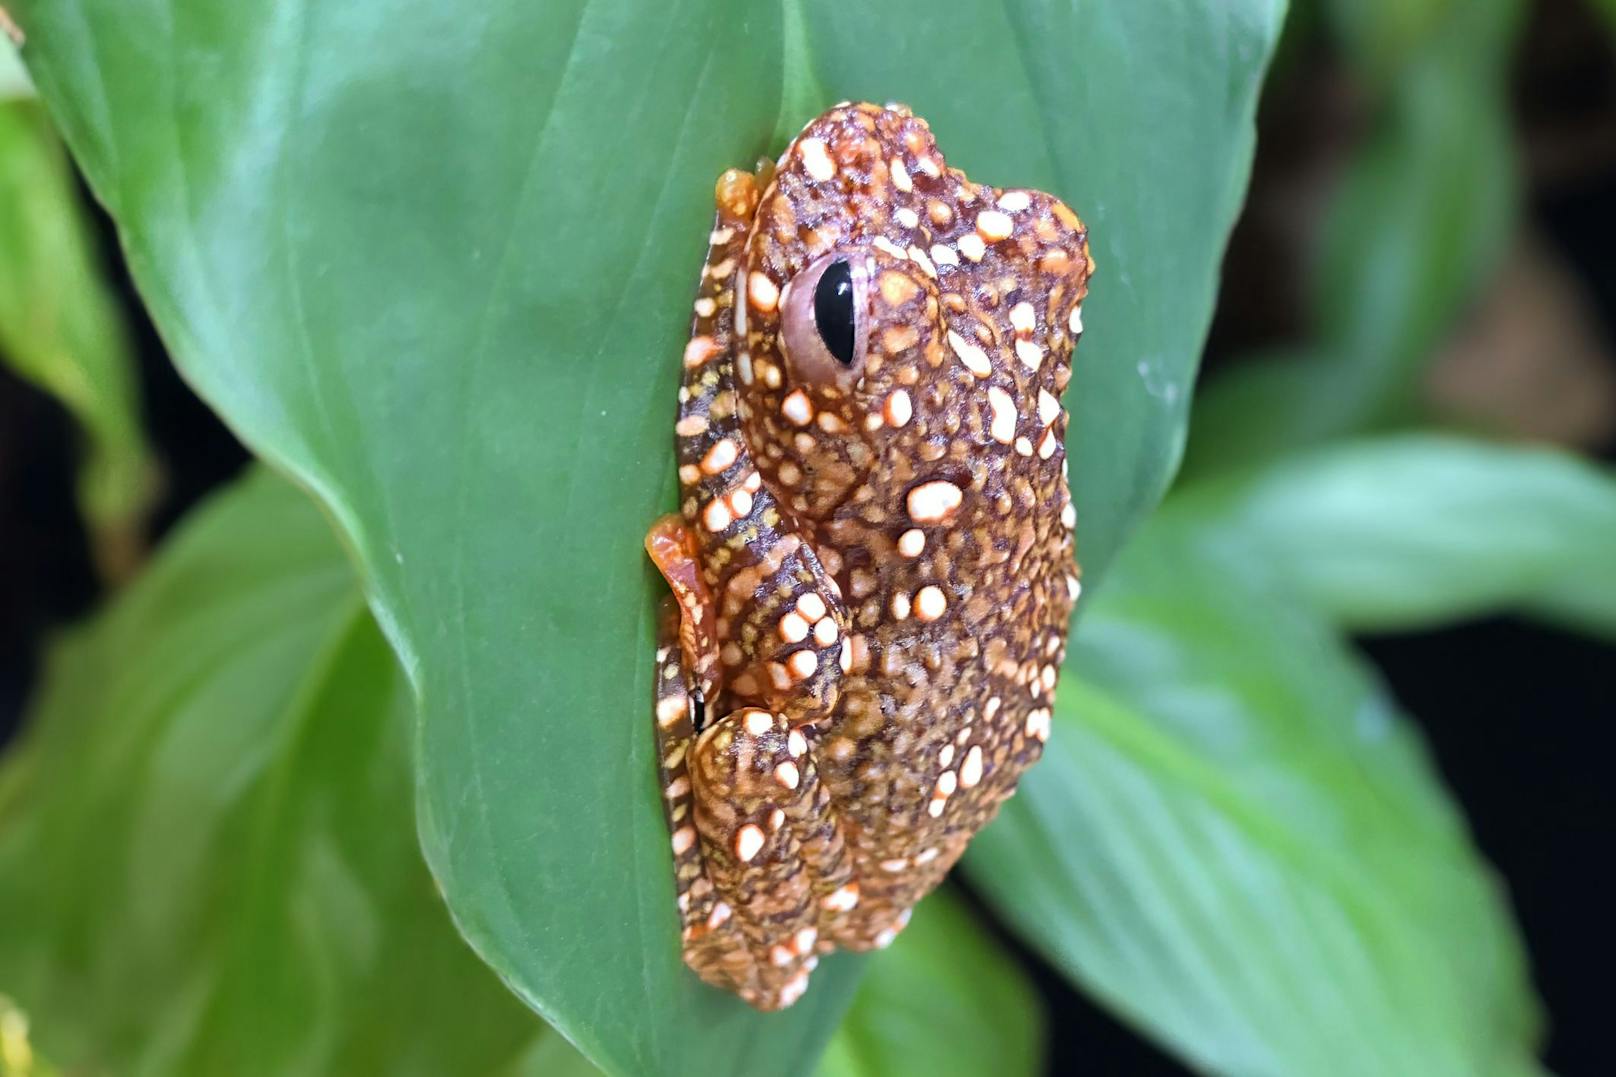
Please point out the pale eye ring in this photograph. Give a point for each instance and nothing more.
(824, 320)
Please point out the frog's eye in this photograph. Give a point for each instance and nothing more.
(823, 321)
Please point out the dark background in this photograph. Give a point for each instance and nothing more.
(1517, 715)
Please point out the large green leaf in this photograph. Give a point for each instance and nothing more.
(1404, 531)
(60, 328)
(1237, 842)
(944, 1001)
(207, 862)
(436, 262)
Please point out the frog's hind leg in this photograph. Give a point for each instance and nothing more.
(773, 851)
(762, 869)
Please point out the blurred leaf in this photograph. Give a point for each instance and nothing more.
(207, 862)
(1422, 215)
(1237, 842)
(60, 328)
(437, 264)
(1406, 531)
(944, 1000)
(14, 80)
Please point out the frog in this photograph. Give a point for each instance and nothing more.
(873, 567)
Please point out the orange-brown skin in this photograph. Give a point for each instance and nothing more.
(873, 576)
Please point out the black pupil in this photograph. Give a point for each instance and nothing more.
(833, 310)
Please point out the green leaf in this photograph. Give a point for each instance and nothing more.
(207, 862)
(1421, 217)
(14, 80)
(1237, 842)
(943, 1001)
(1401, 532)
(60, 328)
(437, 264)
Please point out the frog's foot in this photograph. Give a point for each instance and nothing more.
(775, 874)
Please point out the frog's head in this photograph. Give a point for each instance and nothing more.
(897, 322)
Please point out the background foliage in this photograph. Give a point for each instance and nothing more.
(424, 262)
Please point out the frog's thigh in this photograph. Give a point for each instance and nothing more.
(773, 852)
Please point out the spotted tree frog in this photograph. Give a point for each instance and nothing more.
(873, 568)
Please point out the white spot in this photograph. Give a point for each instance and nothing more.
(944, 255)
(825, 632)
(781, 956)
(895, 866)
(705, 307)
(721, 913)
(762, 293)
(918, 256)
(1030, 354)
(797, 408)
(971, 245)
(899, 409)
(993, 226)
(777, 819)
(843, 899)
(719, 457)
(1069, 516)
(716, 517)
(912, 542)
(743, 364)
(795, 744)
(935, 808)
(1014, 201)
(816, 159)
(1049, 408)
(793, 990)
(900, 177)
(900, 606)
(1023, 446)
(677, 788)
(933, 502)
(1046, 446)
(669, 709)
(683, 839)
(802, 664)
(699, 350)
(1074, 587)
(787, 775)
(971, 770)
(811, 606)
(888, 937)
(845, 659)
(804, 940)
(793, 629)
(945, 758)
(907, 217)
(1038, 724)
(1023, 319)
(758, 722)
(882, 243)
(930, 603)
(926, 856)
(1003, 424)
(740, 502)
(974, 358)
(748, 842)
(721, 236)
(1075, 321)
(947, 783)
